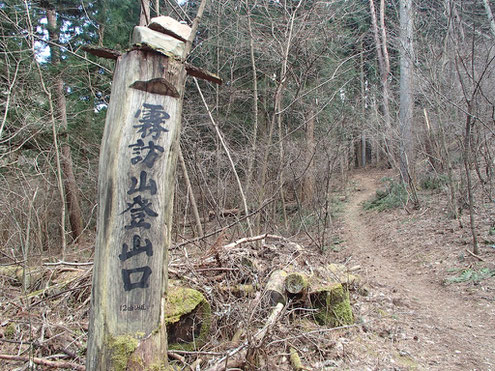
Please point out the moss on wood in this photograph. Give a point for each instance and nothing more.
(188, 318)
(296, 283)
(122, 348)
(295, 360)
(333, 306)
(9, 331)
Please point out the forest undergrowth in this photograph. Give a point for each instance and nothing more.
(422, 301)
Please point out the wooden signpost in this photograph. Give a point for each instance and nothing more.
(136, 182)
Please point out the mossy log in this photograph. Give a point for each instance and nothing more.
(296, 283)
(19, 275)
(188, 318)
(275, 289)
(332, 305)
(240, 290)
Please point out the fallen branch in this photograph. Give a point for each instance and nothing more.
(275, 290)
(260, 335)
(61, 262)
(252, 239)
(196, 353)
(319, 331)
(226, 361)
(476, 256)
(180, 359)
(44, 362)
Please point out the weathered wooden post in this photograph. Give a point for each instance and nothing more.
(136, 182)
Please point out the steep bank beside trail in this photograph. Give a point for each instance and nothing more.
(429, 325)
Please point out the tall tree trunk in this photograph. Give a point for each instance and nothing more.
(448, 70)
(384, 66)
(406, 91)
(308, 188)
(363, 104)
(70, 185)
(467, 168)
(254, 139)
(194, 205)
(278, 107)
(276, 119)
(264, 164)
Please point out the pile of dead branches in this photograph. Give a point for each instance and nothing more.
(249, 328)
(44, 313)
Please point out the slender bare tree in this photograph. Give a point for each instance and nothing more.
(406, 91)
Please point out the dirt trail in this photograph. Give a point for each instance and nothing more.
(441, 330)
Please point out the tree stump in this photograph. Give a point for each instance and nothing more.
(188, 318)
(332, 305)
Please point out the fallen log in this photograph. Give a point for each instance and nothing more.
(296, 283)
(239, 290)
(257, 238)
(275, 289)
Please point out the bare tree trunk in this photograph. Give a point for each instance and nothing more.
(406, 91)
(276, 119)
(227, 152)
(281, 178)
(447, 63)
(467, 168)
(363, 104)
(264, 165)
(254, 139)
(307, 193)
(450, 173)
(278, 108)
(70, 185)
(386, 71)
(384, 66)
(194, 205)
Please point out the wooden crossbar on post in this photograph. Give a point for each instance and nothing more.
(136, 189)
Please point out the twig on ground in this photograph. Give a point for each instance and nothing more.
(476, 256)
(199, 353)
(61, 262)
(221, 364)
(44, 362)
(252, 239)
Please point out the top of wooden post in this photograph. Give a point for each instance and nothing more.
(163, 35)
(171, 27)
(160, 42)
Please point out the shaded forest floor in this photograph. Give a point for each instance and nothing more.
(423, 302)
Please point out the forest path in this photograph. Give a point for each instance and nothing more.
(439, 329)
